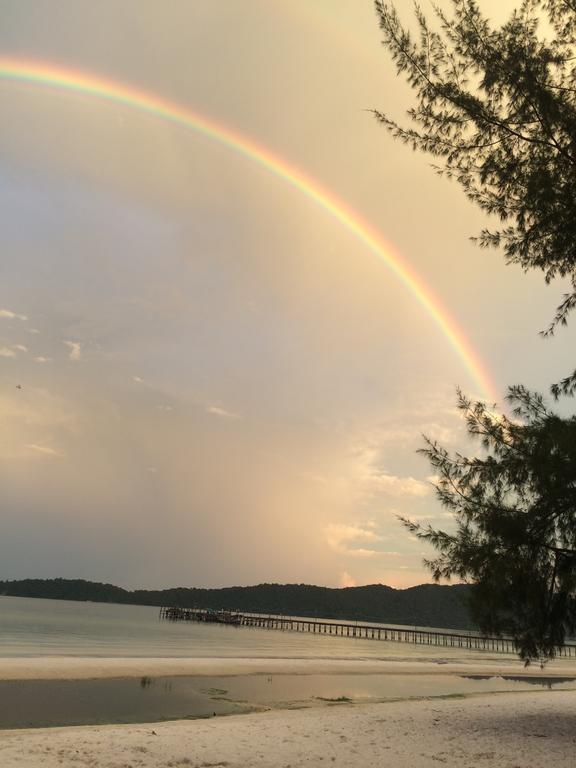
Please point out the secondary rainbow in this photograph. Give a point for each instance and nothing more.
(37, 73)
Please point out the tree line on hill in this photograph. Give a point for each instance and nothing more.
(430, 605)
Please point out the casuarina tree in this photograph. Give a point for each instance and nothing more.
(514, 507)
(496, 108)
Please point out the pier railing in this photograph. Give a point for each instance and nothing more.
(415, 635)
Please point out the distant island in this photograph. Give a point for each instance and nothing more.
(429, 605)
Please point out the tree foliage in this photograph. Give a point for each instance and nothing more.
(497, 107)
(515, 521)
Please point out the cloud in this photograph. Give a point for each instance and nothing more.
(422, 518)
(367, 474)
(75, 349)
(44, 449)
(339, 538)
(8, 314)
(41, 359)
(346, 580)
(216, 410)
(34, 424)
(399, 486)
(137, 379)
(13, 350)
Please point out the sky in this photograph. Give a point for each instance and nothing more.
(219, 350)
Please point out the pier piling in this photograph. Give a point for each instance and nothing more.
(413, 635)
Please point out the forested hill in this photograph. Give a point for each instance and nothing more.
(425, 605)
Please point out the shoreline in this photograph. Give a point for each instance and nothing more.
(93, 667)
(54, 693)
(520, 730)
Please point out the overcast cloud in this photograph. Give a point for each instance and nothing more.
(205, 379)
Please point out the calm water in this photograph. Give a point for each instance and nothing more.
(30, 627)
(34, 627)
(46, 703)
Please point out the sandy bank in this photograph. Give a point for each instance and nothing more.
(81, 668)
(503, 731)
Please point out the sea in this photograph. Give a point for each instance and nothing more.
(49, 628)
(37, 627)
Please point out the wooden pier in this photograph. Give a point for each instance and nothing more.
(415, 635)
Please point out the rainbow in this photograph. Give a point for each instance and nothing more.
(36, 73)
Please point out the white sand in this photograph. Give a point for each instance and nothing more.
(82, 668)
(520, 730)
(527, 730)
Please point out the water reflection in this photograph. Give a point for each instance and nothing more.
(545, 682)
(44, 703)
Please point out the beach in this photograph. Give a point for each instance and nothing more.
(527, 730)
(82, 668)
(121, 690)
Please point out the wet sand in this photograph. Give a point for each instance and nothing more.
(91, 667)
(524, 730)
(57, 703)
(65, 691)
